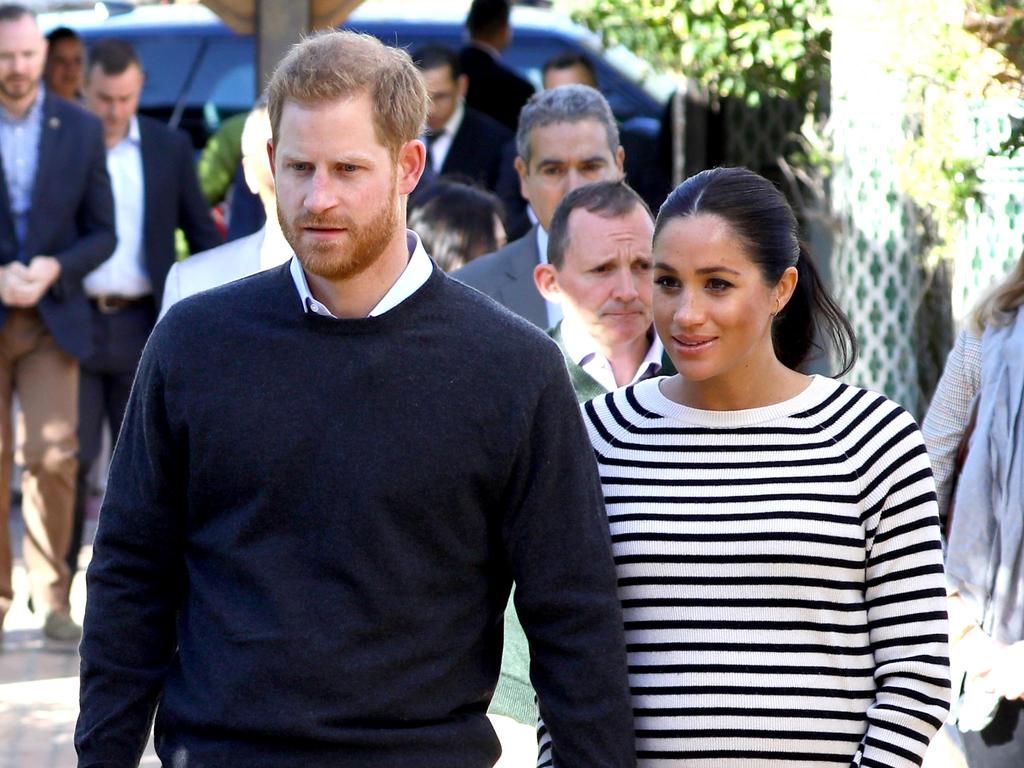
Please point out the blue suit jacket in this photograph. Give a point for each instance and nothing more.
(172, 199)
(71, 218)
(477, 149)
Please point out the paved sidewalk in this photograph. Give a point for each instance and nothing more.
(39, 680)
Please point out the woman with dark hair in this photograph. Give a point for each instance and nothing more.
(775, 534)
(985, 554)
(457, 223)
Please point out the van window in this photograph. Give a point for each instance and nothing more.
(225, 76)
(163, 83)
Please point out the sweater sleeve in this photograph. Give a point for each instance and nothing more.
(905, 597)
(946, 420)
(134, 580)
(557, 542)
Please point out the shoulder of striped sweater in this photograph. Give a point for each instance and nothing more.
(866, 402)
(605, 414)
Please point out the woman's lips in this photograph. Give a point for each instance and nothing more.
(693, 344)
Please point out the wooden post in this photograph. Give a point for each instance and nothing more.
(279, 25)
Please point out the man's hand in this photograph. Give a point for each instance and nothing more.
(22, 286)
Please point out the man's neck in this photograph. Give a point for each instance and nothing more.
(625, 359)
(18, 108)
(488, 46)
(113, 139)
(356, 296)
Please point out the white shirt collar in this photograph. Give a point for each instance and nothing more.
(583, 351)
(452, 126)
(134, 135)
(493, 52)
(415, 274)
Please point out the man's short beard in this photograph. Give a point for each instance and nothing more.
(343, 261)
(30, 88)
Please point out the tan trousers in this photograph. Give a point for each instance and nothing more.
(45, 378)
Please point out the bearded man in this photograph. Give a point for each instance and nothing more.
(328, 478)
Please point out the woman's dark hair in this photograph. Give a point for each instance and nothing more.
(455, 221)
(761, 218)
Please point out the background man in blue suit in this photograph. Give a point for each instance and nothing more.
(155, 191)
(56, 225)
(459, 139)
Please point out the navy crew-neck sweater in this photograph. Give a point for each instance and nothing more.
(310, 532)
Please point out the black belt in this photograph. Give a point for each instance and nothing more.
(111, 303)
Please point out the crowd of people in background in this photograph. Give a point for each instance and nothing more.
(457, 422)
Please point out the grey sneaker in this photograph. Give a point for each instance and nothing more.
(60, 626)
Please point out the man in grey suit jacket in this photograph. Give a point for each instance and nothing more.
(240, 258)
(567, 137)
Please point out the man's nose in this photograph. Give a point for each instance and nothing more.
(321, 196)
(626, 288)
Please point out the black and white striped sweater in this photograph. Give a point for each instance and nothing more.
(781, 577)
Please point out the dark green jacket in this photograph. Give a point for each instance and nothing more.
(585, 385)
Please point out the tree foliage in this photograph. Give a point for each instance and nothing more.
(742, 48)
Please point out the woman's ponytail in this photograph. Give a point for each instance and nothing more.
(811, 321)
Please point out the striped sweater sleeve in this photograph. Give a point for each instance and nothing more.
(904, 596)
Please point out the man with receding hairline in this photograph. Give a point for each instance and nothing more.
(307, 543)
(599, 272)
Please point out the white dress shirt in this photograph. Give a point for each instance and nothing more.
(442, 141)
(124, 273)
(415, 274)
(584, 352)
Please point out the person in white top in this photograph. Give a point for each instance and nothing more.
(599, 272)
(248, 255)
(775, 535)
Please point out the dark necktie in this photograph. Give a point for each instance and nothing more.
(431, 138)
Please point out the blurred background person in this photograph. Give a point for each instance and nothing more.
(155, 192)
(983, 383)
(643, 170)
(247, 255)
(458, 222)
(58, 226)
(64, 73)
(459, 139)
(494, 88)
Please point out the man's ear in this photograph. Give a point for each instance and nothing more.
(412, 160)
(462, 85)
(523, 173)
(545, 277)
(620, 159)
(270, 155)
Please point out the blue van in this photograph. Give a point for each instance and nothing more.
(198, 71)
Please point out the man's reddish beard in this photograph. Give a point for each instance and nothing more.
(342, 260)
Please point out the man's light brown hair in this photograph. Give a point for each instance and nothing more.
(332, 65)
